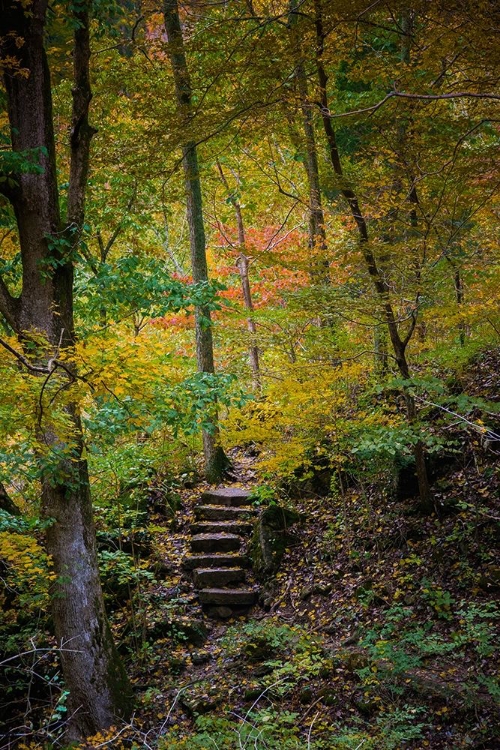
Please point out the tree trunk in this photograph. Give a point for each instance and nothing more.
(382, 289)
(216, 461)
(7, 504)
(93, 674)
(459, 296)
(317, 232)
(242, 264)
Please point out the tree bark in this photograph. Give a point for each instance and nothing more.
(93, 674)
(7, 504)
(317, 231)
(459, 296)
(216, 462)
(242, 264)
(399, 342)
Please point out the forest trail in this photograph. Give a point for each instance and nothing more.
(218, 561)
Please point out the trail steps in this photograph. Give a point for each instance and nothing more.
(224, 521)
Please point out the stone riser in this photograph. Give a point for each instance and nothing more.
(215, 543)
(194, 562)
(228, 597)
(217, 577)
(215, 527)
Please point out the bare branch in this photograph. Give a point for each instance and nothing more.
(418, 97)
(23, 360)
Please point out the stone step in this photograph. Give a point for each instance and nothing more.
(217, 577)
(222, 513)
(215, 542)
(216, 527)
(232, 496)
(228, 597)
(191, 562)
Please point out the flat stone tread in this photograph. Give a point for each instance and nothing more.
(225, 511)
(221, 535)
(191, 562)
(227, 492)
(229, 496)
(219, 570)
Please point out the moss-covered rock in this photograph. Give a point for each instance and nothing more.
(270, 539)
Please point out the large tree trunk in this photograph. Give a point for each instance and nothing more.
(93, 674)
(398, 340)
(216, 462)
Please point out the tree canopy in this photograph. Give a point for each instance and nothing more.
(252, 225)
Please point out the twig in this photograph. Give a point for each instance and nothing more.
(404, 95)
(39, 650)
(488, 434)
(310, 730)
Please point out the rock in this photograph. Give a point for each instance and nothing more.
(164, 568)
(232, 496)
(135, 543)
(327, 669)
(220, 613)
(217, 577)
(164, 502)
(366, 707)
(405, 478)
(269, 539)
(355, 659)
(322, 589)
(331, 629)
(227, 597)
(222, 513)
(216, 527)
(200, 704)
(364, 590)
(200, 657)
(215, 542)
(176, 665)
(310, 483)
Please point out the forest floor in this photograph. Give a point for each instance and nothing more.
(380, 629)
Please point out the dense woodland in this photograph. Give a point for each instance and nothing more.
(249, 247)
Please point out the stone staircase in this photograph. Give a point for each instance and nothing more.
(218, 564)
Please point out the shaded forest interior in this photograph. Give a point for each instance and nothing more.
(249, 367)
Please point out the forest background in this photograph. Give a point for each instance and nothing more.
(344, 200)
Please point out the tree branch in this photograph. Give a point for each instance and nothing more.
(404, 95)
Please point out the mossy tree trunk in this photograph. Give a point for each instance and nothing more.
(93, 674)
(216, 462)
